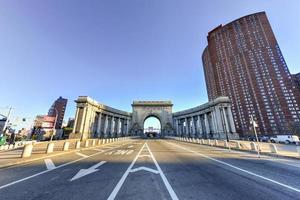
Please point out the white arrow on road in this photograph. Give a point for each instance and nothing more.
(84, 172)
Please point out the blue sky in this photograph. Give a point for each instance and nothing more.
(117, 51)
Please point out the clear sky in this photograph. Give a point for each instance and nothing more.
(117, 51)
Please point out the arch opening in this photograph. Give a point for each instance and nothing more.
(152, 127)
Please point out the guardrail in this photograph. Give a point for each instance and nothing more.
(268, 148)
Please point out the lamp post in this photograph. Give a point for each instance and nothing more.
(254, 124)
(54, 126)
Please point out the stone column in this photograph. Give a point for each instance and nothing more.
(112, 126)
(225, 120)
(127, 127)
(177, 129)
(193, 127)
(186, 127)
(105, 126)
(232, 125)
(200, 126)
(76, 120)
(83, 119)
(99, 125)
(118, 127)
(206, 125)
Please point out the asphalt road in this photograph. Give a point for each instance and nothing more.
(153, 169)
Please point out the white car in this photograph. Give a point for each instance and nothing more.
(284, 139)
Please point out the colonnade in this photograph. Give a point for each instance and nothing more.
(211, 120)
(95, 120)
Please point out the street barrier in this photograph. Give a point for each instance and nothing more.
(273, 148)
(216, 143)
(99, 142)
(77, 145)
(226, 144)
(237, 145)
(94, 142)
(253, 146)
(27, 150)
(66, 146)
(86, 144)
(50, 147)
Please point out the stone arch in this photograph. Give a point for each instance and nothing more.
(162, 110)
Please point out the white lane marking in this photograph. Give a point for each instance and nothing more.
(84, 172)
(238, 168)
(81, 154)
(130, 146)
(48, 170)
(262, 157)
(120, 152)
(129, 152)
(49, 163)
(145, 169)
(100, 150)
(145, 156)
(121, 181)
(162, 175)
(117, 188)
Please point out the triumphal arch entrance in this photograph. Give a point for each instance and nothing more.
(142, 110)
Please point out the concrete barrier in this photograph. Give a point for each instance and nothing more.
(216, 143)
(253, 146)
(237, 145)
(273, 148)
(226, 144)
(77, 145)
(66, 146)
(93, 142)
(50, 147)
(86, 144)
(27, 150)
(208, 142)
(99, 142)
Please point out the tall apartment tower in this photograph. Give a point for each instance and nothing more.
(243, 61)
(58, 109)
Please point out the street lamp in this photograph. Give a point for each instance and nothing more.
(54, 126)
(254, 128)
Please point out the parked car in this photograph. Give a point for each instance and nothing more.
(288, 139)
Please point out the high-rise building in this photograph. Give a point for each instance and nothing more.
(296, 78)
(58, 108)
(243, 61)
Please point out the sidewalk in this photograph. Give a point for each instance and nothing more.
(283, 151)
(12, 157)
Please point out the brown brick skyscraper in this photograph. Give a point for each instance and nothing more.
(243, 61)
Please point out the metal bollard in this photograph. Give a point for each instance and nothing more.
(66, 146)
(99, 142)
(273, 148)
(77, 145)
(86, 144)
(27, 150)
(253, 146)
(50, 148)
(94, 142)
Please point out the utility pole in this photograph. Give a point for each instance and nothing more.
(254, 124)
